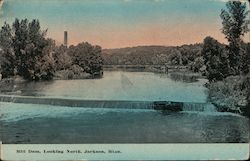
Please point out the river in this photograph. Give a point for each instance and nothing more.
(40, 123)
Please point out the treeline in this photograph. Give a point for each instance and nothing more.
(219, 64)
(187, 55)
(25, 51)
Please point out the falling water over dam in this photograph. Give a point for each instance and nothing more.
(115, 104)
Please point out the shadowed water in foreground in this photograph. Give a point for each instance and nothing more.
(23, 123)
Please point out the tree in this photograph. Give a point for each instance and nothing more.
(245, 58)
(24, 48)
(234, 26)
(62, 59)
(198, 64)
(215, 59)
(45, 67)
(29, 42)
(6, 50)
(87, 56)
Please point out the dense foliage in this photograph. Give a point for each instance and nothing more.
(229, 71)
(7, 51)
(188, 55)
(244, 58)
(232, 59)
(62, 59)
(25, 51)
(86, 56)
(215, 59)
(247, 89)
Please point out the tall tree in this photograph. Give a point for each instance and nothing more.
(6, 49)
(29, 44)
(234, 26)
(23, 48)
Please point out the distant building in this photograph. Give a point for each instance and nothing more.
(65, 38)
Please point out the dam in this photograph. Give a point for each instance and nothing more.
(113, 104)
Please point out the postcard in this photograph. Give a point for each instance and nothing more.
(124, 79)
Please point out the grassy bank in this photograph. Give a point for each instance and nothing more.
(230, 95)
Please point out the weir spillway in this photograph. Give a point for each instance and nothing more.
(113, 104)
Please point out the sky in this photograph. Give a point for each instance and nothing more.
(122, 23)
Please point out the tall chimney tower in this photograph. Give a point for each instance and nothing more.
(66, 38)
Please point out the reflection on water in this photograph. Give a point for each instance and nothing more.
(118, 85)
(187, 78)
(50, 124)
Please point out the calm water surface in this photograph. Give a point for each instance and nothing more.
(28, 123)
(119, 85)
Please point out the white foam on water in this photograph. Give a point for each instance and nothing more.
(198, 107)
(18, 111)
(212, 113)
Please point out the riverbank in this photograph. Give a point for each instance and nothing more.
(66, 74)
(230, 95)
(147, 68)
